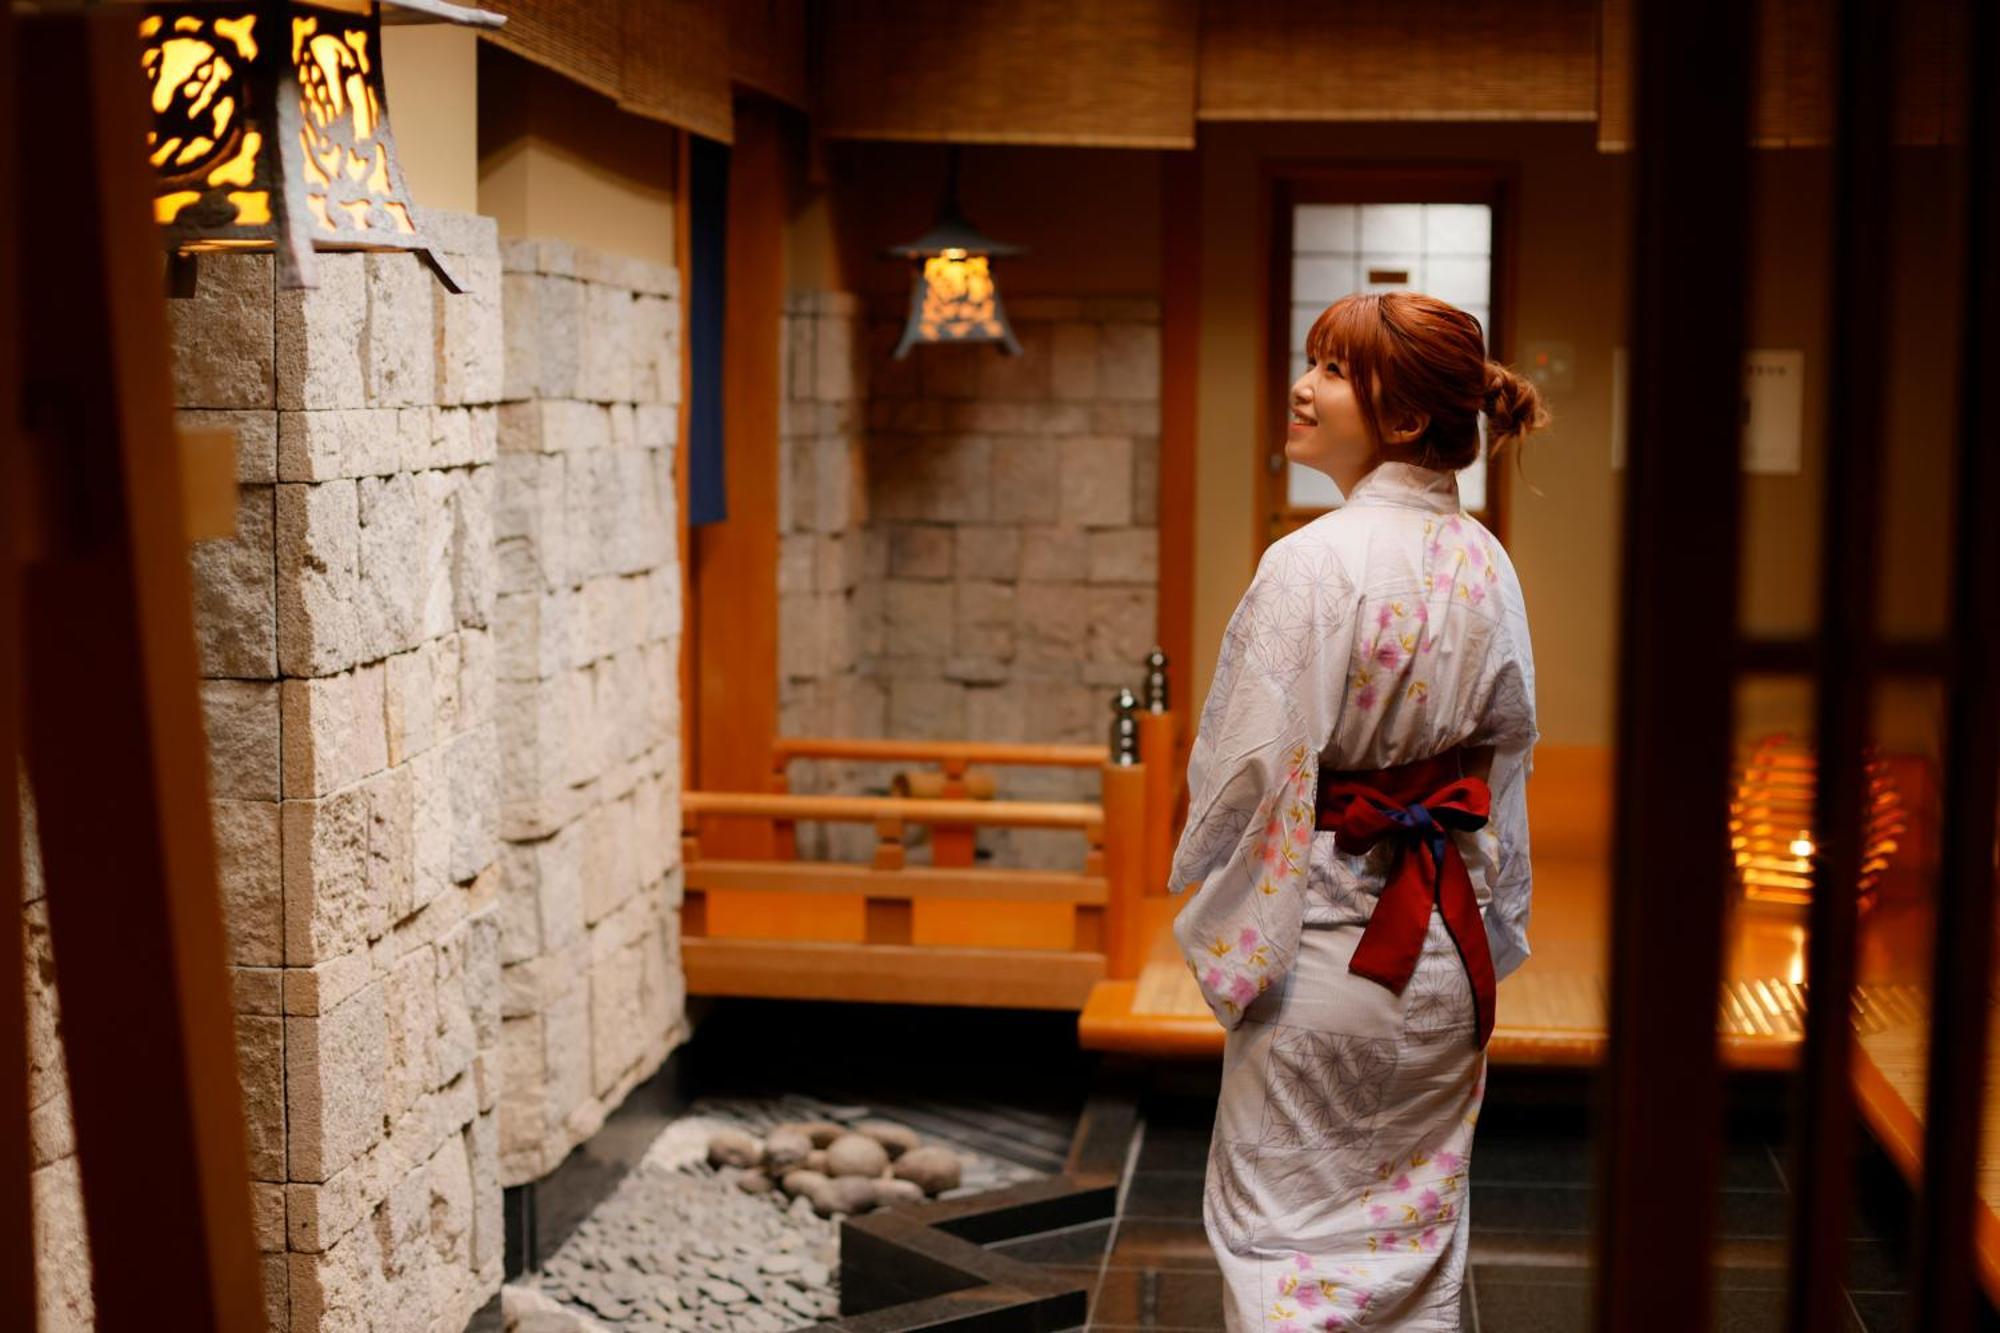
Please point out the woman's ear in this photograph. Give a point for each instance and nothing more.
(1408, 428)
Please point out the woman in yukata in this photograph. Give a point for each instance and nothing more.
(1357, 838)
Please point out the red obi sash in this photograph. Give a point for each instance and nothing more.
(1416, 805)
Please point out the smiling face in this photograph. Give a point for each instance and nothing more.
(1327, 431)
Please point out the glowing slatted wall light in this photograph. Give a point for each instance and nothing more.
(1770, 823)
(953, 298)
(271, 130)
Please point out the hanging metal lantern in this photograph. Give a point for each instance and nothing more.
(271, 130)
(952, 295)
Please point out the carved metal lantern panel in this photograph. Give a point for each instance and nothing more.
(953, 298)
(1770, 823)
(271, 131)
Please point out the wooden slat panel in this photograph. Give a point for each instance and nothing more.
(1420, 60)
(665, 59)
(767, 48)
(871, 809)
(1109, 73)
(1028, 886)
(890, 974)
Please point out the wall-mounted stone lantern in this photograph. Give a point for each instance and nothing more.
(952, 295)
(271, 130)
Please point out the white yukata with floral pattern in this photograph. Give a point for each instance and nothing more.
(1388, 631)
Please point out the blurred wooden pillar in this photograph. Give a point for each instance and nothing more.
(17, 1250)
(1660, 1153)
(735, 562)
(1942, 1273)
(114, 738)
(1158, 749)
(1125, 855)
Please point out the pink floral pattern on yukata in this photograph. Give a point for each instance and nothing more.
(1235, 967)
(1411, 1208)
(1399, 639)
(1460, 559)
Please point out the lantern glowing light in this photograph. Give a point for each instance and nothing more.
(953, 298)
(1770, 823)
(271, 131)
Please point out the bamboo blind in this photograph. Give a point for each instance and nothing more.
(767, 45)
(664, 59)
(1417, 60)
(1794, 96)
(1109, 73)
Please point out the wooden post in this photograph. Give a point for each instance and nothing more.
(1156, 749)
(784, 832)
(953, 844)
(114, 738)
(1124, 866)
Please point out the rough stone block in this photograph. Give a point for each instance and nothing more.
(1123, 624)
(321, 332)
(1052, 625)
(400, 369)
(62, 1246)
(1024, 377)
(536, 732)
(1140, 418)
(315, 990)
(617, 1025)
(926, 709)
(1097, 481)
(409, 704)
(1026, 481)
(566, 1056)
(241, 720)
(336, 1080)
(436, 530)
(1125, 555)
(334, 733)
(796, 553)
(412, 1057)
(986, 552)
(558, 315)
(256, 435)
(656, 350)
(341, 1290)
(260, 1070)
(1128, 362)
(471, 347)
(1073, 362)
(985, 620)
(520, 356)
(919, 618)
(921, 551)
(1146, 480)
(944, 479)
(328, 909)
(250, 872)
(472, 767)
(392, 842)
(610, 866)
(319, 531)
(222, 337)
(355, 442)
(473, 578)
(531, 521)
(534, 634)
(604, 360)
(236, 594)
(1054, 555)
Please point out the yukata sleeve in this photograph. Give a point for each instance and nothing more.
(1253, 774)
(1510, 728)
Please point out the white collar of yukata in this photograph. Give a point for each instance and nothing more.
(1407, 485)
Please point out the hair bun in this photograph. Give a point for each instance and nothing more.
(1513, 405)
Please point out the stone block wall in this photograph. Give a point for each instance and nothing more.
(439, 680)
(1018, 499)
(587, 635)
(831, 561)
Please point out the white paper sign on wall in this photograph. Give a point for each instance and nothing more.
(1773, 411)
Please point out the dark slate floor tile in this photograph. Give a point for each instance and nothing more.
(1539, 1159)
(1881, 1313)
(1164, 1194)
(1158, 1299)
(1171, 1147)
(1155, 1243)
(1531, 1307)
(1078, 1245)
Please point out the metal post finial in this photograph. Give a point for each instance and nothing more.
(1156, 680)
(1124, 728)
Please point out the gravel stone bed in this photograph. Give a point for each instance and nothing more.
(685, 1246)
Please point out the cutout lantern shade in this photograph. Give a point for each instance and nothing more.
(1771, 816)
(952, 295)
(271, 130)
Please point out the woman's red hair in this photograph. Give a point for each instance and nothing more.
(1409, 354)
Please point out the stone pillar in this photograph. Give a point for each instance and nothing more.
(588, 627)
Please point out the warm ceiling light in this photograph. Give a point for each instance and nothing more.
(271, 130)
(952, 296)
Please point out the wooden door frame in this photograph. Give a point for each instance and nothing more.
(1285, 182)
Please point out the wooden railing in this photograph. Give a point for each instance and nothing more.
(1127, 835)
